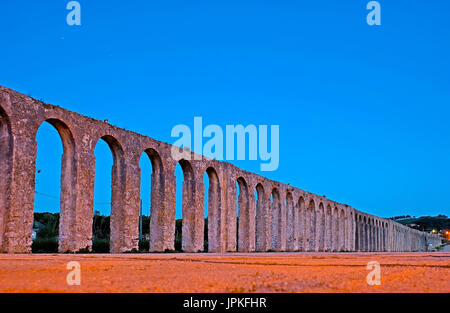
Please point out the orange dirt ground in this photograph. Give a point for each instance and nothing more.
(237, 272)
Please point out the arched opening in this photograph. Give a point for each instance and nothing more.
(351, 231)
(311, 219)
(361, 233)
(6, 146)
(291, 224)
(328, 230)
(238, 193)
(380, 236)
(109, 195)
(55, 179)
(212, 242)
(151, 201)
(365, 235)
(320, 228)
(185, 220)
(275, 202)
(342, 230)
(301, 224)
(357, 235)
(261, 223)
(376, 234)
(336, 233)
(243, 219)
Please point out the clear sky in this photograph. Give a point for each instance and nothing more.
(363, 110)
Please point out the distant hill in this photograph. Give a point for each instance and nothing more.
(425, 223)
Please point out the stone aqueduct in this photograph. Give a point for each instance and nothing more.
(280, 218)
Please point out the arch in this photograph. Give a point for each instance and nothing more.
(276, 219)
(6, 149)
(363, 233)
(377, 235)
(311, 225)
(342, 230)
(118, 181)
(371, 234)
(357, 232)
(67, 184)
(301, 224)
(214, 211)
(328, 228)
(365, 240)
(261, 219)
(336, 231)
(352, 230)
(386, 237)
(320, 228)
(291, 224)
(157, 188)
(244, 216)
(188, 208)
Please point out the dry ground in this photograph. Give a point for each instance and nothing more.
(237, 272)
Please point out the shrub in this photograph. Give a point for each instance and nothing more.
(144, 245)
(45, 245)
(100, 245)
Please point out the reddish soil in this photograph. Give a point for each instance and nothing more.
(258, 272)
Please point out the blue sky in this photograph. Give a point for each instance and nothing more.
(363, 110)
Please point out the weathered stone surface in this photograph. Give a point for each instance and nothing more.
(280, 218)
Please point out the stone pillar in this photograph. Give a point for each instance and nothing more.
(262, 228)
(129, 234)
(319, 229)
(278, 214)
(252, 223)
(291, 242)
(283, 223)
(347, 228)
(230, 215)
(162, 214)
(19, 217)
(246, 229)
(193, 216)
(301, 225)
(351, 232)
(357, 233)
(312, 226)
(327, 216)
(296, 227)
(367, 237)
(84, 212)
(371, 237)
(307, 230)
(377, 237)
(334, 230)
